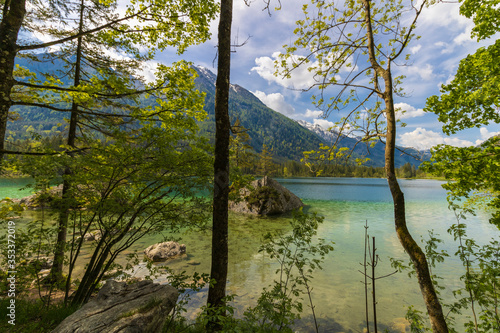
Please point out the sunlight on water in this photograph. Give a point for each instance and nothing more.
(346, 203)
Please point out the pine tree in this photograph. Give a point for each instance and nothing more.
(265, 161)
(239, 146)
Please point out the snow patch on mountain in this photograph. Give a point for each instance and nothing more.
(326, 135)
(209, 75)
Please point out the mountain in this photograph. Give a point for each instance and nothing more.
(284, 136)
(287, 138)
(375, 154)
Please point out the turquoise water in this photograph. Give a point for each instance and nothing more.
(14, 188)
(346, 203)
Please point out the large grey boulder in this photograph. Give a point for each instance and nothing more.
(164, 251)
(267, 197)
(126, 308)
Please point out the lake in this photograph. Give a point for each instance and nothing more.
(346, 204)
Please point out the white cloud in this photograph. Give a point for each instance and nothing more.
(445, 47)
(313, 113)
(425, 139)
(410, 111)
(485, 135)
(276, 102)
(426, 72)
(300, 77)
(456, 142)
(415, 48)
(445, 15)
(464, 36)
(323, 123)
(148, 71)
(440, 17)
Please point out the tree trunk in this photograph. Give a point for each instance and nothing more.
(218, 272)
(56, 272)
(411, 247)
(434, 310)
(13, 15)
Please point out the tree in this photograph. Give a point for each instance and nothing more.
(13, 14)
(127, 187)
(176, 23)
(148, 185)
(471, 100)
(265, 161)
(218, 271)
(239, 146)
(106, 90)
(353, 47)
(408, 170)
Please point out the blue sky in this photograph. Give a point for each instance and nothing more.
(445, 39)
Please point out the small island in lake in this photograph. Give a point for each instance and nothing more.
(265, 197)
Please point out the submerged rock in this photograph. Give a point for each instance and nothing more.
(164, 251)
(124, 308)
(267, 197)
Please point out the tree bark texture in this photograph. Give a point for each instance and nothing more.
(216, 293)
(13, 15)
(417, 256)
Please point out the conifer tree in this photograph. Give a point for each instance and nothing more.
(153, 24)
(100, 87)
(265, 161)
(240, 147)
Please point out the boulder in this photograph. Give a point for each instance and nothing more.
(50, 198)
(126, 308)
(265, 197)
(92, 236)
(41, 263)
(164, 251)
(41, 198)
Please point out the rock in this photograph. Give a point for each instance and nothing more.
(41, 263)
(51, 198)
(143, 271)
(41, 198)
(92, 236)
(42, 275)
(164, 251)
(126, 308)
(267, 197)
(400, 325)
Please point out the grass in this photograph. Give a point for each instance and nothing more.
(33, 316)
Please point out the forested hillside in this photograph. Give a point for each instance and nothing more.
(288, 138)
(284, 137)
